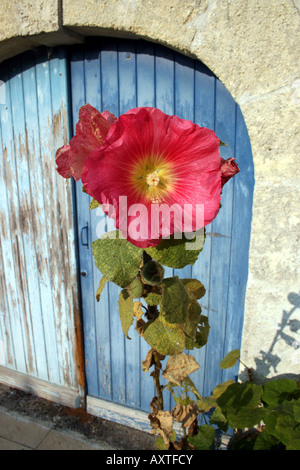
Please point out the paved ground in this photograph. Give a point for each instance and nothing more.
(31, 423)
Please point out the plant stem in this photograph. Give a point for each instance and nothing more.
(156, 375)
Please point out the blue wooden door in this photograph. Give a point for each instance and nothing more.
(118, 75)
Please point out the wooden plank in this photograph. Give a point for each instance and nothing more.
(8, 356)
(56, 393)
(243, 186)
(48, 283)
(131, 417)
(221, 233)
(204, 117)
(11, 239)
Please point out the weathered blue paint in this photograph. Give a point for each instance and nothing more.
(118, 75)
(37, 255)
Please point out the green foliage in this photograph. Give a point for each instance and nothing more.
(166, 338)
(240, 405)
(194, 287)
(125, 311)
(204, 439)
(153, 298)
(277, 391)
(135, 288)
(101, 286)
(117, 259)
(94, 204)
(177, 253)
(230, 359)
(174, 301)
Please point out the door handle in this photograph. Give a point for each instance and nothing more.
(85, 230)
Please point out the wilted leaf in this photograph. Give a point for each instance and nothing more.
(177, 253)
(165, 426)
(167, 338)
(185, 414)
(125, 311)
(137, 310)
(230, 359)
(179, 367)
(117, 259)
(150, 359)
(174, 301)
(102, 284)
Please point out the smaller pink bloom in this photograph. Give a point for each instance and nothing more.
(91, 131)
(229, 168)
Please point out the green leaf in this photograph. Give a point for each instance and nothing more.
(240, 404)
(266, 441)
(282, 423)
(125, 311)
(102, 284)
(219, 419)
(204, 439)
(167, 338)
(206, 404)
(220, 389)
(201, 334)
(174, 301)
(135, 288)
(277, 391)
(230, 359)
(94, 204)
(117, 259)
(194, 287)
(177, 253)
(193, 319)
(159, 444)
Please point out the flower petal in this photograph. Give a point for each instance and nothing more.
(162, 165)
(91, 130)
(62, 159)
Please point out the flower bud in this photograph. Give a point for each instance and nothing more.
(153, 273)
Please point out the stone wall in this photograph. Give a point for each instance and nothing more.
(253, 47)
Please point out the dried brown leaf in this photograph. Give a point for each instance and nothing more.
(179, 367)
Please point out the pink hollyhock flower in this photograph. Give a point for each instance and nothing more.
(91, 130)
(150, 163)
(229, 168)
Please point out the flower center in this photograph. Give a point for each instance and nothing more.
(152, 179)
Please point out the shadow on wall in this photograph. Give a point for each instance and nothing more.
(289, 332)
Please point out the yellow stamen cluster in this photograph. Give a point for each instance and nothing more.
(152, 178)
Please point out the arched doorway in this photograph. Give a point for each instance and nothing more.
(118, 75)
